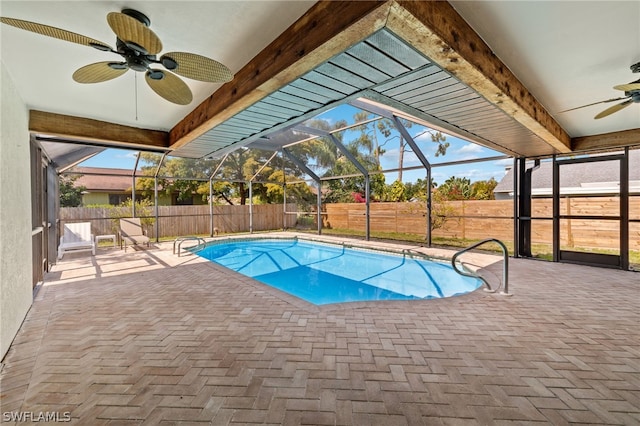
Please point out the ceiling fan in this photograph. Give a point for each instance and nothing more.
(631, 95)
(138, 46)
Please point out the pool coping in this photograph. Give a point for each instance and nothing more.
(435, 254)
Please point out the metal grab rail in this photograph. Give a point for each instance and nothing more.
(505, 266)
(181, 240)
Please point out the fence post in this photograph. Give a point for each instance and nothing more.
(211, 226)
(464, 222)
(155, 201)
(250, 208)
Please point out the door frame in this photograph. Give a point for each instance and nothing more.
(596, 259)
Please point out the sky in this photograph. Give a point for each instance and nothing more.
(458, 150)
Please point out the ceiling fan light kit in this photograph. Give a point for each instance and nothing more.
(138, 45)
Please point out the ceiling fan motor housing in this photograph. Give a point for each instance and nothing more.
(139, 16)
(135, 59)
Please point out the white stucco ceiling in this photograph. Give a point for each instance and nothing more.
(566, 53)
(231, 32)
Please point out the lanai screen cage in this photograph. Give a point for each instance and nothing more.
(364, 169)
(327, 172)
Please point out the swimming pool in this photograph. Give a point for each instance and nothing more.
(323, 273)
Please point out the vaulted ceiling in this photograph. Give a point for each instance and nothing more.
(497, 73)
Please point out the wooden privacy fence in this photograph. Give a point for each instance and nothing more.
(471, 220)
(175, 221)
(479, 219)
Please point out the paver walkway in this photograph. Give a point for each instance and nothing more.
(149, 338)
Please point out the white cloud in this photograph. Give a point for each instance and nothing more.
(132, 154)
(390, 159)
(469, 148)
(481, 174)
(504, 162)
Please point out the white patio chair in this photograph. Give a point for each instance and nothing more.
(76, 237)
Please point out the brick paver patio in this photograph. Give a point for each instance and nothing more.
(150, 338)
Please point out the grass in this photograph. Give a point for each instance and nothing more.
(539, 251)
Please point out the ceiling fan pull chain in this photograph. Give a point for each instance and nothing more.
(135, 75)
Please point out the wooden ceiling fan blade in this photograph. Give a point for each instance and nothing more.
(628, 87)
(99, 72)
(54, 32)
(614, 108)
(130, 30)
(196, 67)
(595, 103)
(169, 86)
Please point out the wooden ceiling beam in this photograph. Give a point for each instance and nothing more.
(606, 140)
(67, 126)
(325, 30)
(438, 31)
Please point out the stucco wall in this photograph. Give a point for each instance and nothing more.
(15, 212)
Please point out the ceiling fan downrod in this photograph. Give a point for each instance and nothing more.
(139, 16)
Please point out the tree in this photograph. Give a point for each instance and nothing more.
(70, 195)
(418, 191)
(441, 211)
(387, 127)
(461, 188)
(396, 192)
(188, 177)
(455, 188)
(483, 189)
(275, 191)
(182, 176)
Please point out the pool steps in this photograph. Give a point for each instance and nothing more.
(505, 266)
(181, 240)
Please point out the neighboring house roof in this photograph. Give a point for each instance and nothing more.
(579, 178)
(99, 179)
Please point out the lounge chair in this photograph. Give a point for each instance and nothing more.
(76, 237)
(131, 232)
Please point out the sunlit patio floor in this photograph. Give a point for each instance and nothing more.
(147, 337)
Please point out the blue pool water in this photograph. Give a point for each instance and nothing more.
(323, 273)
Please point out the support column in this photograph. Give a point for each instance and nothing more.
(133, 186)
(365, 173)
(319, 206)
(624, 210)
(425, 163)
(524, 208)
(313, 176)
(284, 204)
(516, 213)
(215, 172)
(211, 226)
(556, 210)
(155, 196)
(250, 207)
(155, 205)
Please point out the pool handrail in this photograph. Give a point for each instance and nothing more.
(505, 266)
(181, 240)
